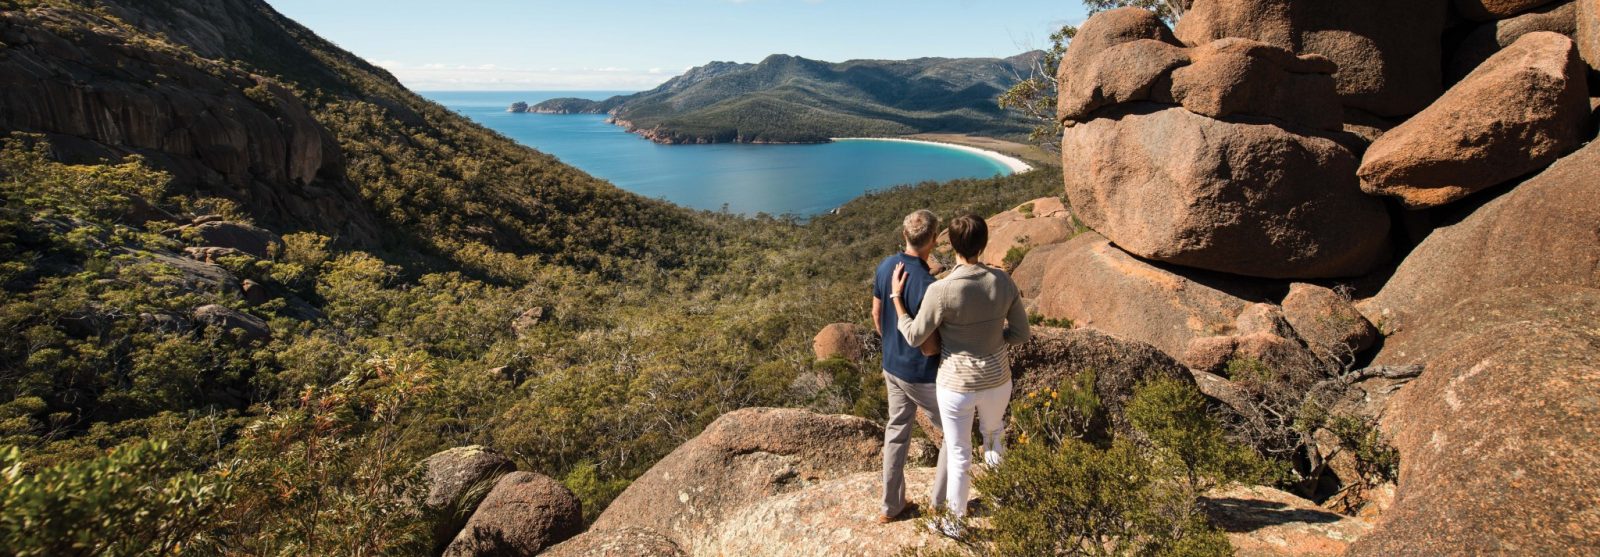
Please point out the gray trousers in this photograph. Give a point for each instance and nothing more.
(904, 400)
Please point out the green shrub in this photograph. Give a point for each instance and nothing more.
(1041, 320)
(133, 500)
(1056, 494)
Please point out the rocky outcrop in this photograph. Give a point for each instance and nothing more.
(1588, 33)
(526, 321)
(1265, 522)
(1127, 55)
(102, 93)
(619, 542)
(243, 238)
(518, 107)
(1496, 444)
(1096, 285)
(1041, 222)
(744, 457)
(1327, 321)
(1541, 233)
(249, 328)
(1433, 334)
(1488, 10)
(830, 518)
(841, 340)
(1388, 52)
(1235, 76)
(457, 480)
(524, 514)
(1109, 62)
(1487, 39)
(1519, 111)
(1238, 197)
(1053, 356)
(1263, 318)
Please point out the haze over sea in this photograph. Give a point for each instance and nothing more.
(775, 179)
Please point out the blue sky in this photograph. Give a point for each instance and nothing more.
(637, 44)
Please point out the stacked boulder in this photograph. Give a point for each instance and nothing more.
(1241, 175)
(479, 505)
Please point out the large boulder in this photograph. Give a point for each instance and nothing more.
(1056, 355)
(1488, 38)
(618, 542)
(1040, 222)
(249, 239)
(1245, 77)
(1387, 51)
(1096, 285)
(1541, 233)
(1265, 522)
(1497, 447)
(1434, 333)
(1140, 70)
(1327, 321)
(743, 457)
(457, 480)
(523, 515)
(1489, 10)
(832, 518)
(1519, 111)
(249, 327)
(841, 340)
(1089, 77)
(1588, 32)
(1239, 197)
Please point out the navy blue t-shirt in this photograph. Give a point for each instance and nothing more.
(900, 359)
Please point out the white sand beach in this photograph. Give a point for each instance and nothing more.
(1014, 164)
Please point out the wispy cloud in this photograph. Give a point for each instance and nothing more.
(492, 77)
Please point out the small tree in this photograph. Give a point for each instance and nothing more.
(1035, 95)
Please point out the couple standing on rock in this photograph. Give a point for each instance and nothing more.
(944, 351)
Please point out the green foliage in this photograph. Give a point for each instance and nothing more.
(35, 183)
(1057, 494)
(1040, 319)
(1053, 416)
(134, 500)
(1014, 257)
(1175, 418)
(1375, 458)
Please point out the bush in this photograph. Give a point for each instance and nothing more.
(134, 500)
(1056, 494)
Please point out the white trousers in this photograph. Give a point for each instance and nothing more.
(956, 411)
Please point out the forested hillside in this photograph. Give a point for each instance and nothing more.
(789, 99)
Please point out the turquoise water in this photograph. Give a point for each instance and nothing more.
(774, 179)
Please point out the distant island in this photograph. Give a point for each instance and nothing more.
(789, 99)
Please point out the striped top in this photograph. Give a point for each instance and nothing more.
(977, 312)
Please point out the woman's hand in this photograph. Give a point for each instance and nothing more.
(898, 286)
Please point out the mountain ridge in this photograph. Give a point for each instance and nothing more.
(792, 99)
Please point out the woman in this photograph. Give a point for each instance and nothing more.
(977, 312)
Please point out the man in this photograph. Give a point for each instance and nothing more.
(907, 373)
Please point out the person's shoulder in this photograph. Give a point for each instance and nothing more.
(888, 263)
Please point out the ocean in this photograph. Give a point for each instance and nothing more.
(798, 180)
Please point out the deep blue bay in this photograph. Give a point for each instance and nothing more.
(775, 179)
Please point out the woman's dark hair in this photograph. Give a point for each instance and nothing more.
(968, 235)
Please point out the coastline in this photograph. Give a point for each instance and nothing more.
(1015, 165)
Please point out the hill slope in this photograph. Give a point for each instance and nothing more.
(789, 99)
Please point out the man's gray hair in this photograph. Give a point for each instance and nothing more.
(920, 227)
